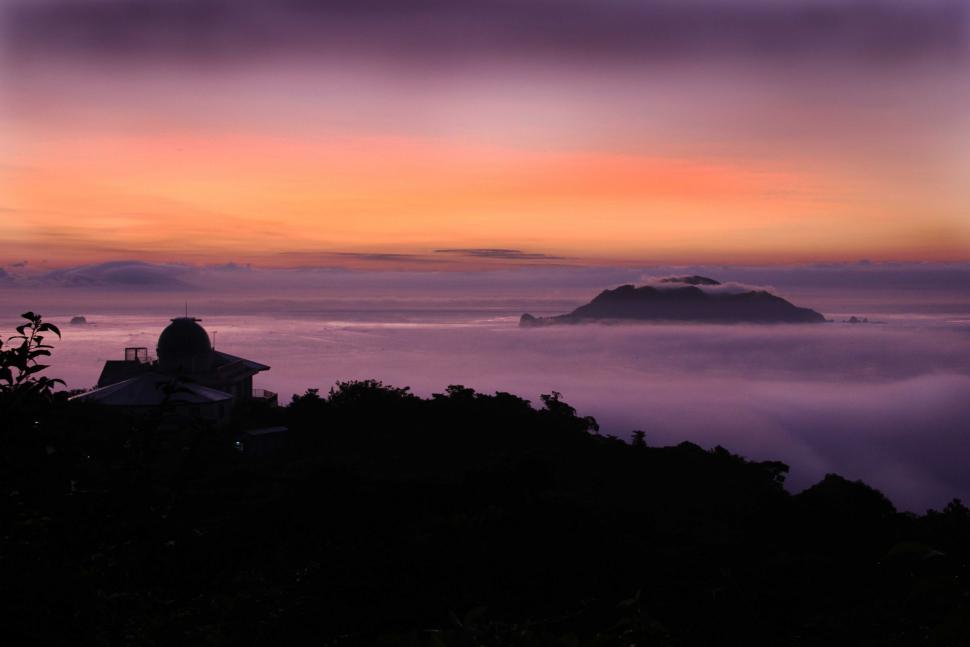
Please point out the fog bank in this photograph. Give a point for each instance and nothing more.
(884, 403)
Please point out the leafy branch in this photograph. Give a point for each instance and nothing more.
(18, 359)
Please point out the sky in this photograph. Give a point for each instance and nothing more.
(436, 135)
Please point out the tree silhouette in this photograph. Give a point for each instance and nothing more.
(19, 368)
(463, 518)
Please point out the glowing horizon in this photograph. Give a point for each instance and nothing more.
(360, 155)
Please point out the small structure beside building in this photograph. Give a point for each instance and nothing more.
(188, 374)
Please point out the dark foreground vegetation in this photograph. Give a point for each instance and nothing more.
(465, 519)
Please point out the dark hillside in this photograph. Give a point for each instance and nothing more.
(461, 519)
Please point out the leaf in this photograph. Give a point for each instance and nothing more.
(36, 368)
(37, 353)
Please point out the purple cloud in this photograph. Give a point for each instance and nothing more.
(437, 31)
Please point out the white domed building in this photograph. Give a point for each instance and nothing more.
(189, 375)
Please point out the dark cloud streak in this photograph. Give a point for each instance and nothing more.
(498, 253)
(436, 31)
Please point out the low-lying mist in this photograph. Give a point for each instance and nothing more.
(886, 403)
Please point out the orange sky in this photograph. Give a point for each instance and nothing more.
(182, 197)
(298, 157)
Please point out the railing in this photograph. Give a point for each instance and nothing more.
(137, 354)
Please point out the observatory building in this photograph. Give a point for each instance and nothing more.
(188, 374)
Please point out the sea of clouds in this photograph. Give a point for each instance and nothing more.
(888, 403)
(884, 403)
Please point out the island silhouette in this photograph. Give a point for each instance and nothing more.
(682, 298)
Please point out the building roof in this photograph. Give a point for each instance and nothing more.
(151, 390)
(118, 370)
(232, 368)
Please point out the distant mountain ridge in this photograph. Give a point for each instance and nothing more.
(687, 303)
(120, 274)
